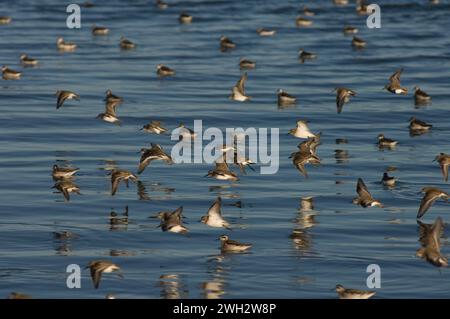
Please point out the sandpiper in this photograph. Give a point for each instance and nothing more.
(302, 22)
(222, 172)
(172, 221)
(242, 162)
(110, 113)
(301, 158)
(230, 246)
(307, 12)
(156, 152)
(350, 30)
(386, 142)
(238, 91)
(394, 85)
(343, 96)
(347, 293)
(99, 30)
(265, 32)
(214, 217)
(154, 127)
(163, 70)
(160, 4)
(361, 7)
(421, 97)
(110, 97)
(303, 55)
(63, 95)
(431, 195)
(245, 64)
(63, 172)
(67, 186)
(98, 267)
(364, 198)
(65, 46)
(285, 99)
(302, 130)
(118, 175)
(430, 238)
(5, 20)
(226, 43)
(444, 161)
(358, 43)
(418, 125)
(27, 61)
(10, 74)
(388, 180)
(126, 44)
(185, 18)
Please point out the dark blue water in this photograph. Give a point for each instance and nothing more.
(338, 242)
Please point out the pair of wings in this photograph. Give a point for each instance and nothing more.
(240, 85)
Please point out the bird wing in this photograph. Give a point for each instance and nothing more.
(340, 99)
(362, 190)
(395, 78)
(426, 203)
(240, 85)
(435, 234)
(110, 107)
(444, 168)
(215, 209)
(96, 275)
(62, 96)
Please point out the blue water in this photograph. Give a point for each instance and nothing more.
(341, 240)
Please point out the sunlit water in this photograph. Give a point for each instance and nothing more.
(337, 244)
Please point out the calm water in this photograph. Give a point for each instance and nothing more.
(339, 241)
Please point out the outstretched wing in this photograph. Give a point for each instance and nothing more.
(362, 190)
(240, 85)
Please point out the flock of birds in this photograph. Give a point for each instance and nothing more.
(172, 221)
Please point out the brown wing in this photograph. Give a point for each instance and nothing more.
(110, 107)
(115, 180)
(444, 168)
(362, 190)
(426, 203)
(62, 96)
(395, 78)
(435, 234)
(240, 85)
(96, 276)
(340, 99)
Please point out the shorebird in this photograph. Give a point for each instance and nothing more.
(63, 95)
(172, 221)
(444, 161)
(110, 97)
(99, 30)
(98, 267)
(364, 198)
(214, 217)
(285, 99)
(265, 32)
(302, 130)
(302, 22)
(222, 172)
(118, 175)
(350, 30)
(163, 70)
(416, 125)
(67, 186)
(27, 61)
(245, 64)
(156, 152)
(303, 55)
(361, 7)
(63, 172)
(65, 46)
(5, 20)
(358, 43)
(185, 18)
(230, 246)
(126, 44)
(386, 142)
(388, 180)
(110, 113)
(431, 195)
(10, 74)
(343, 96)
(347, 293)
(430, 238)
(154, 127)
(242, 162)
(394, 85)
(238, 91)
(226, 43)
(421, 97)
(160, 4)
(301, 158)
